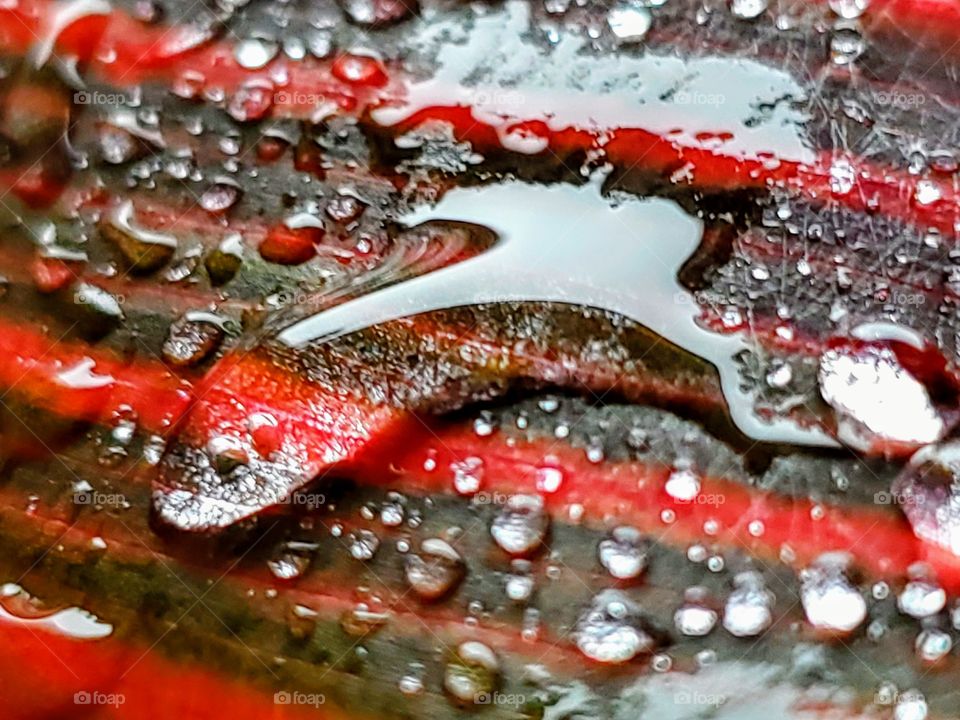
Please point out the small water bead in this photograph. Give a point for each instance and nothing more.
(548, 405)
(435, 571)
(254, 53)
(715, 563)
(748, 9)
(629, 21)
(748, 610)
(595, 453)
(780, 377)
(361, 620)
(472, 672)
(876, 630)
(530, 627)
(521, 525)
(484, 425)
(359, 70)
(911, 705)
(391, 514)
(848, 9)
(830, 601)
(706, 658)
(880, 590)
(624, 554)
(683, 485)
(756, 528)
(467, 475)
(846, 45)
(291, 560)
(927, 193)
(363, 544)
(661, 663)
(520, 583)
(697, 553)
(548, 479)
(252, 101)
(695, 618)
(933, 645)
(192, 338)
(612, 630)
(921, 599)
(222, 195)
(411, 684)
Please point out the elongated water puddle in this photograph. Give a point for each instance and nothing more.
(569, 245)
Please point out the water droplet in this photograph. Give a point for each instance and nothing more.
(472, 672)
(846, 45)
(629, 21)
(519, 583)
(191, 339)
(548, 479)
(222, 195)
(252, 101)
(624, 553)
(521, 525)
(683, 485)
(612, 629)
(849, 9)
(748, 610)
(748, 9)
(435, 571)
(467, 475)
(695, 618)
(933, 645)
(361, 620)
(831, 602)
(291, 560)
(910, 706)
(254, 53)
(879, 405)
(928, 492)
(921, 599)
(363, 544)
